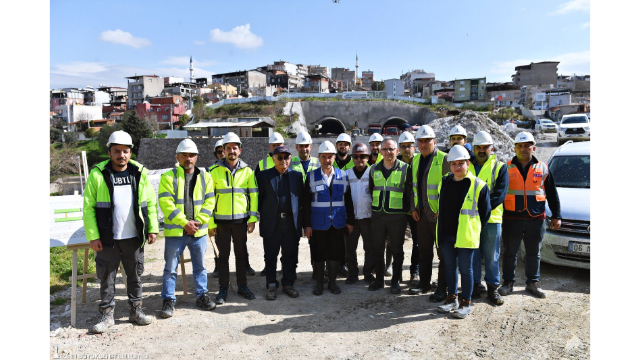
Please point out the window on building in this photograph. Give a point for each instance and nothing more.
(461, 95)
(481, 81)
(461, 89)
(461, 82)
(510, 95)
(165, 117)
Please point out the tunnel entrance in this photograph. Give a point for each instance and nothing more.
(331, 125)
(395, 121)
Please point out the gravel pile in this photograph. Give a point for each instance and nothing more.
(474, 122)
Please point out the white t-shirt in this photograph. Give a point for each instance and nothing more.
(124, 221)
(327, 178)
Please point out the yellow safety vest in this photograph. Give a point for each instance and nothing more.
(296, 164)
(469, 223)
(171, 199)
(266, 163)
(434, 176)
(236, 195)
(489, 174)
(388, 193)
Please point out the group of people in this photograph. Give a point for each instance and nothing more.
(460, 202)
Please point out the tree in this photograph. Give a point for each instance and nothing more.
(90, 133)
(137, 128)
(55, 135)
(63, 161)
(183, 120)
(105, 132)
(70, 137)
(377, 86)
(244, 93)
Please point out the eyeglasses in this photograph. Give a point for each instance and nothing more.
(404, 147)
(356, 157)
(219, 152)
(388, 149)
(283, 157)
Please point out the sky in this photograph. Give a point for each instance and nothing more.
(103, 42)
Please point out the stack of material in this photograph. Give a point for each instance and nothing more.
(474, 122)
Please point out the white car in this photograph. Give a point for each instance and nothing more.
(574, 127)
(546, 125)
(570, 245)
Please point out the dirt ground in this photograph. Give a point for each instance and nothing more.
(355, 324)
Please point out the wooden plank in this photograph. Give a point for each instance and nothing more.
(75, 218)
(62, 211)
(84, 271)
(74, 275)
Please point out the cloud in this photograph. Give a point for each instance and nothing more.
(572, 6)
(579, 63)
(184, 60)
(198, 42)
(81, 74)
(240, 36)
(586, 25)
(122, 37)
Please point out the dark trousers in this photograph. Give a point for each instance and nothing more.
(426, 240)
(285, 238)
(328, 245)
(129, 252)
(531, 233)
(457, 259)
(394, 226)
(415, 252)
(224, 235)
(361, 227)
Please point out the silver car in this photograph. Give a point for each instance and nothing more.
(570, 245)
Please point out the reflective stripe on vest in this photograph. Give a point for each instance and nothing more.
(296, 164)
(490, 178)
(236, 195)
(527, 194)
(388, 194)
(174, 230)
(266, 163)
(434, 177)
(328, 208)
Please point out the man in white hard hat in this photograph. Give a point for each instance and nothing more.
(359, 185)
(427, 170)
(186, 198)
(463, 209)
(235, 214)
(119, 216)
(531, 185)
(406, 143)
(343, 160)
(328, 212)
(275, 140)
(304, 162)
(280, 191)
(219, 150)
(390, 186)
(219, 154)
(375, 140)
(493, 172)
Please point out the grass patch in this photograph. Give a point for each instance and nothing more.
(59, 301)
(60, 262)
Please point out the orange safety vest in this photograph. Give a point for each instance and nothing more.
(527, 194)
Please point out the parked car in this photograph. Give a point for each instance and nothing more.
(546, 125)
(574, 127)
(570, 245)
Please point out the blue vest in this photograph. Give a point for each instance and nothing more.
(328, 210)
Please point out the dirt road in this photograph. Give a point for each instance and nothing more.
(355, 324)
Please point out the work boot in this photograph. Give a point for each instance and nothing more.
(342, 270)
(534, 288)
(415, 279)
(369, 279)
(465, 309)
(137, 315)
(476, 291)
(333, 273)
(318, 267)
(250, 270)
(168, 306)
(264, 271)
(105, 323)
(351, 279)
(205, 302)
(494, 295)
(441, 291)
(395, 287)
(222, 295)
(506, 288)
(215, 272)
(449, 305)
(482, 288)
(245, 292)
(272, 292)
(420, 289)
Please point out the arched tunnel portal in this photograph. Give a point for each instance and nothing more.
(331, 125)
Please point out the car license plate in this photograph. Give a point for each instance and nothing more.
(581, 248)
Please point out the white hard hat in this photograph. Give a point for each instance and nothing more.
(524, 136)
(303, 138)
(375, 137)
(344, 137)
(425, 132)
(120, 138)
(231, 137)
(482, 138)
(457, 130)
(406, 137)
(187, 146)
(327, 148)
(458, 152)
(276, 138)
(218, 143)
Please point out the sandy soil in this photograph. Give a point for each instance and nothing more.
(354, 324)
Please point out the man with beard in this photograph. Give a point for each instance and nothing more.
(375, 141)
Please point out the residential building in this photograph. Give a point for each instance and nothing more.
(95, 97)
(163, 110)
(117, 96)
(224, 90)
(367, 79)
(446, 94)
(558, 97)
(140, 87)
(410, 77)
(202, 82)
(184, 89)
(345, 77)
(317, 69)
(537, 74)
(77, 112)
(470, 90)
(168, 80)
(316, 83)
(504, 94)
(394, 87)
(534, 97)
(65, 96)
(268, 90)
(246, 79)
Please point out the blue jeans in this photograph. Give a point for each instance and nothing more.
(173, 248)
(515, 231)
(454, 258)
(490, 251)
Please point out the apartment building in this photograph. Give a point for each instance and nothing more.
(139, 87)
(543, 73)
(246, 79)
(470, 90)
